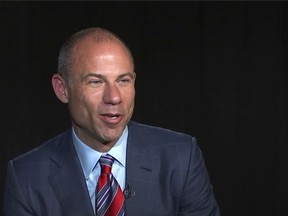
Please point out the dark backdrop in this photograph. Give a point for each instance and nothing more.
(215, 70)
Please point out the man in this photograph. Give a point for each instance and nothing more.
(160, 172)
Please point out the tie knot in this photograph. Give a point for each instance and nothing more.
(106, 162)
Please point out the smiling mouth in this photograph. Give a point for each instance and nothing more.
(111, 118)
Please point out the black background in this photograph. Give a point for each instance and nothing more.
(215, 70)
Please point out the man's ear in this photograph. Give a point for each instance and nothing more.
(58, 84)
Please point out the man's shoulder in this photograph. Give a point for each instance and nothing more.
(44, 150)
(159, 133)
(160, 142)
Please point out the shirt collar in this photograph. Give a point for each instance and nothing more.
(89, 157)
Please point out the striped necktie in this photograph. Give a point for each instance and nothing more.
(109, 196)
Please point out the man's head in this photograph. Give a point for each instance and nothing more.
(96, 34)
(96, 78)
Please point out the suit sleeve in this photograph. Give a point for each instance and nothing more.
(198, 197)
(15, 203)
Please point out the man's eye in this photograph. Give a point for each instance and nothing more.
(94, 82)
(124, 81)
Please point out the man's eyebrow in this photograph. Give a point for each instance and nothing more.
(101, 76)
(130, 74)
(91, 74)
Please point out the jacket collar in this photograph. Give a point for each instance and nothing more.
(68, 181)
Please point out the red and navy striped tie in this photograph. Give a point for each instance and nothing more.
(109, 196)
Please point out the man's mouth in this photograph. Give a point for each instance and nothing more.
(111, 118)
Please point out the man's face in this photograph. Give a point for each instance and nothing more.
(101, 92)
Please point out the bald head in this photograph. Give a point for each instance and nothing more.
(94, 35)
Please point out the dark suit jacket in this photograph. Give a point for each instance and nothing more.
(165, 171)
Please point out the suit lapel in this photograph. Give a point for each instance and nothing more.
(69, 183)
(142, 170)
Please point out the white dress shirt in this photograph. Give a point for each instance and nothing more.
(91, 168)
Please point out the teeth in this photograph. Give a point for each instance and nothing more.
(112, 116)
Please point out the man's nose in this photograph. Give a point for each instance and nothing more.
(111, 94)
